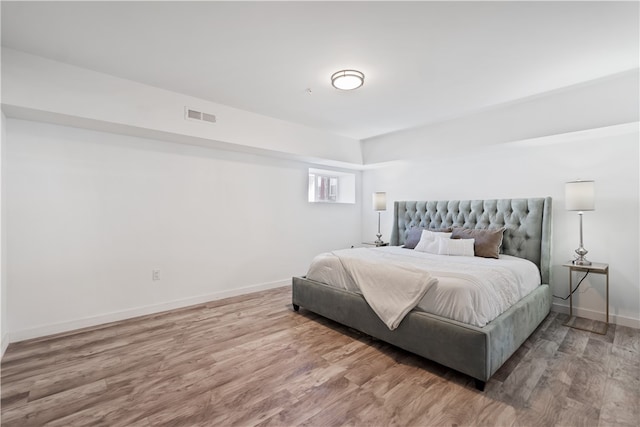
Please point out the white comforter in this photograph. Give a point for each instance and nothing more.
(471, 290)
(372, 276)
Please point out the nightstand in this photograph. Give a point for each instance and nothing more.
(375, 244)
(597, 268)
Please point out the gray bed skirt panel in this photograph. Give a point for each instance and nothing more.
(477, 352)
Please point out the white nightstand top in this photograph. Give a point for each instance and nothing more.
(596, 267)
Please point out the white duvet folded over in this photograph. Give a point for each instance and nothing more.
(471, 290)
(372, 277)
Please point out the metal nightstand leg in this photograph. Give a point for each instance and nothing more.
(571, 320)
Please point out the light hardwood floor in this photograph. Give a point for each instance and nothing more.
(251, 360)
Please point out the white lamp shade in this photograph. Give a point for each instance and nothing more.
(580, 195)
(379, 201)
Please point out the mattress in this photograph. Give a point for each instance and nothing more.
(470, 290)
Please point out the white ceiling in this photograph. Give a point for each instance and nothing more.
(424, 61)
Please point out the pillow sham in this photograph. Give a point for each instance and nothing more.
(428, 246)
(428, 241)
(413, 237)
(415, 234)
(457, 247)
(487, 241)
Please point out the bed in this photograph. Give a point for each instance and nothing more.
(477, 351)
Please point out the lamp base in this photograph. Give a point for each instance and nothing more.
(379, 241)
(580, 259)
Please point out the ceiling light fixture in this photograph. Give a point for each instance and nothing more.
(347, 79)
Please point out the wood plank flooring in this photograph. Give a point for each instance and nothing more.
(251, 360)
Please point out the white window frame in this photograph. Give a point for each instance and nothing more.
(327, 186)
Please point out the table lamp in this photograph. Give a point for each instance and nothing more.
(379, 204)
(579, 196)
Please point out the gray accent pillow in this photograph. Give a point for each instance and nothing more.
(487, 241)
(413, 237)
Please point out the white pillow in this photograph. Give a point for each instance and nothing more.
(429, 241)
(461, 247)
(428, 246)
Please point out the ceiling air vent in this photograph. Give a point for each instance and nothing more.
(191, 114)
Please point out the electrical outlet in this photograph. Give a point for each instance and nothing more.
(155, 274)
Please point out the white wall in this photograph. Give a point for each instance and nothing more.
(36, 88)
(604, 102)
(90, 214)
(4, 341)
(540, 168)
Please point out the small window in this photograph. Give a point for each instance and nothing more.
(327, 186)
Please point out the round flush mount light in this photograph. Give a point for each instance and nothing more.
(347, 79)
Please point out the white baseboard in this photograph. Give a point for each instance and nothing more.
(598, 315)
(5, 344)
(86, 322)
(45, 330)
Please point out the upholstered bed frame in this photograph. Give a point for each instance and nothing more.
(477, 352)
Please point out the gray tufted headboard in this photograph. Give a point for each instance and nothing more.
(527, 223)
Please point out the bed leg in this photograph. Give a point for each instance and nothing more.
(296, 307)
(479, 384)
